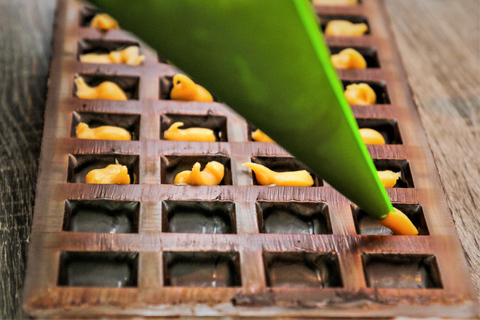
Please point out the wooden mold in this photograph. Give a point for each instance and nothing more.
(153, 249)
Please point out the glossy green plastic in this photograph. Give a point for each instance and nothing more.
(267, 60)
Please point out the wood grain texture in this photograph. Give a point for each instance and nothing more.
(439, 42)
(443, 65)
(25, 33)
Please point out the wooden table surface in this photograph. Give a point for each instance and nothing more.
(440, 45)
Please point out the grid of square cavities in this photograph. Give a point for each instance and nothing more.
(237, 238)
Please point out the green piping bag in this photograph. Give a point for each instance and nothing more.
(267, 60)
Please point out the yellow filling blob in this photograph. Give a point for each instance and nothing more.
(130, 56)
(104, 22)
(389, 178)
(106, 90)
(112, 174)
(102, 133)
(185, 89)
(399, 223)
(348, 59)
(266, 177)
(210, 176)
(260, 136)
(371, 136)
(345, 28)
(360, 93)
(190, 134)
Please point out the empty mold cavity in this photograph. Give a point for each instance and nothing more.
(81, 164)
(98, 46)
(293, 218)
(380, 89)
(129, 122)
(402, 166)
(171, 165)
(216, 123)
(401, 271)
(283, 164)
(101, 216)
(325, 19)
(302, 270)
(198, 216)
(366, 225)
(98, 269)
(86, 16)
(166, 85)
(128, 84)
(202, 269)
(370, 54)
(388, 128)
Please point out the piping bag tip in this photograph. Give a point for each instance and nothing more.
(399, 223)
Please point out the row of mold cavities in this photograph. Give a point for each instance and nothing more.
(81, 164)
(388, 128)
(219, 217)
(130, 86)
(105, 47)
(87, 14)
(222, 269)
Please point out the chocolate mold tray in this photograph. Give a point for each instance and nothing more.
(154, 249)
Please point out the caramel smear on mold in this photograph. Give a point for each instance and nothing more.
(112, 174)
(129, 56)
(260, 136)
(345, 28)
(266, 177)
(348, 59)
(105, 91)
(371, 136)
(185, 89)
(83, 131)
(360, 94)
(210, 176)
(104, 22)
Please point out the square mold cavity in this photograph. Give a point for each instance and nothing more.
(101, 216)
(283, 164)
(98, 269)
(401, 271)
(402, 166)
(198, 216)
(129, 122)
(171, 165)
(216, 123)
(379, 87)
(302, 270)
(366, 225)
(100, 46)
(166, 85)
(81, 164)
(325, 19)
(293, 218)
(388, 128)
(128, 84)
(369, 53)
(202, 269)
